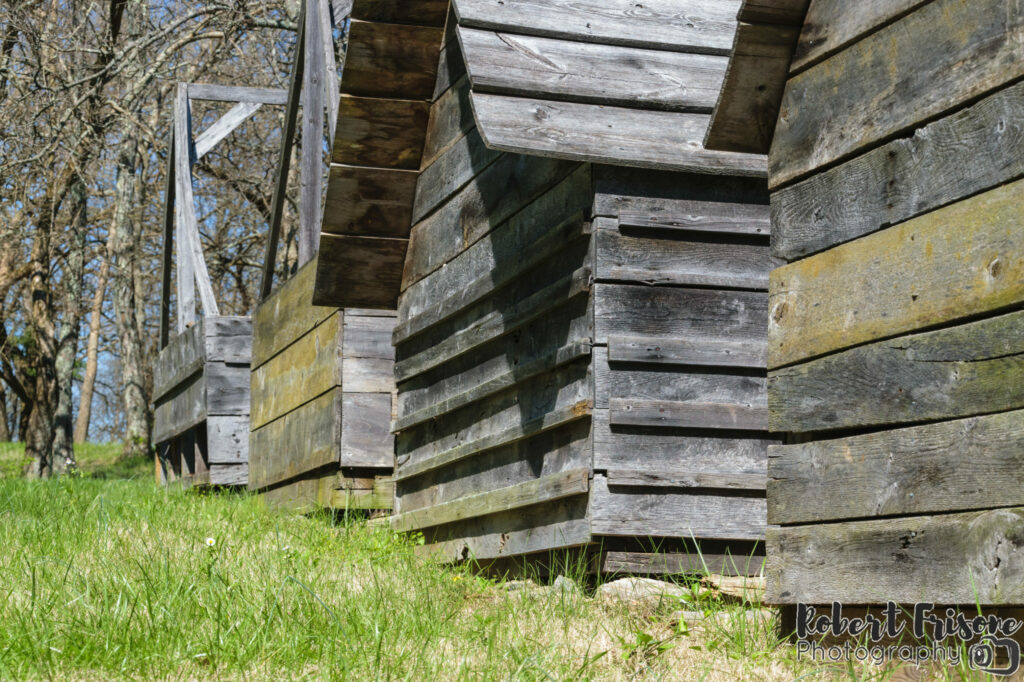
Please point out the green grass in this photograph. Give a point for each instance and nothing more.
(98, 460)
(113, 579)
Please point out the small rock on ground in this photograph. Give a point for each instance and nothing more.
(640, 589)
(737, 587)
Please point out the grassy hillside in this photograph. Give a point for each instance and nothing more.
(120, 579)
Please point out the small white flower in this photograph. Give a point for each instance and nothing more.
(210, 542)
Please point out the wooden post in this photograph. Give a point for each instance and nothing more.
(331, 86)
(312, 135)
(186, 276)
(284, 159)
(165, 263)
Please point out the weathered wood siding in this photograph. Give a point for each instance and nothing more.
(322, 401)
(201, 403)
(896, 339)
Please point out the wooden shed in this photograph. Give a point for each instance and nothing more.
(322, 396)
(896, 330)
(201, 394)
(581, 287)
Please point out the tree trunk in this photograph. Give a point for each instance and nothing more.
(5, 429)
(91, 355)
(123, 253)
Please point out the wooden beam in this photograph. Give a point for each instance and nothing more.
(284, 159)
(166, 259)
(237, 115)
(234, 93)
(694, 415)
(716, 481)
(311, 167)
(332, 83)
(693, 349)
(186, 278)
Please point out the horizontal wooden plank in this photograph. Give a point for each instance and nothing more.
(566, 354)
(366, 439)
(494, 196)
(698, 26)
(451, 116)
(235, 93)
(228, 339)
(555, 210)
(946, 265)
(368, 375)
(308, 368)
(180, 409)
(752, 91)
(286, 315)
(693, 350)
(361, 272)
(674, 563)
(422, 12)
(643, 513)
(369, 201)
(970, 558)
(960, 465)
(498, 323)
(228, 474)
(658, 451)
(331, 490)
(694, 415)
(606, 134)
(227, 389)
(183, 356)
(787, 12)
(381, 133)
(367, 336)
(546, 489)
(303, 440)
(461, 162)
(723, 481)
(451, 66)
(975, 149)
(548, 68)
(640, 256)
(410, 468)
(227, 439)
(707, 217)
(975, 368)
(391, 60)
(931, 61)
(677, 312)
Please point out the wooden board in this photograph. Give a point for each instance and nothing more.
(181, 409)
(362, 272)
(788, 12)
(698, 26)
(975, 368)
(949, 264)
(366, 439)
(304, 440)
(235, 474)
(677, 311)
(367, 336)
(954, 157)
(693, 415)
(228, 339)
(227, 439)
(960, 465)
(661, 563)
(752, 91)
(466, 158)
(628, 255)
(643, 512)
(547, 68)
(700, 350)
(306, 369)
(383, 133)
(830, 26)
(330, 490)
(391, 60)
(227, 388)
(421, 12)
(286, 315)
(884, 85)
(369, 201)
(184, 355)
(605, 134)
(970, 558)
(451, 116)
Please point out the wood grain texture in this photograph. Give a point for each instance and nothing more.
(228, 339)
(451, 116)
(361, 272)
(752, 90)
(626, 255)
(960, 465)
(788, 12)
(830, 26)
(227, 388)
(184, 355)
(369, 201)
(605, 134)
(674, 563)
(391, 60)
(693, 350)
(421, 12)
(504, 187)
(974, 149)
(694, 415)
(658, 513)
(286, 315)
(382, 133)
(309, 367)
(301, 441)
(524, 494)
(883, 85)
(234, 93)
(949, 264)
(970, 558)
(975, 368)
(547, 68)
(704, 26)
(234, 117)
(366, 439)
(227, 439)
(714, 481)
(464, 159)
(232, 474)
(659, 312)
(180, 410)
(367, 336)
